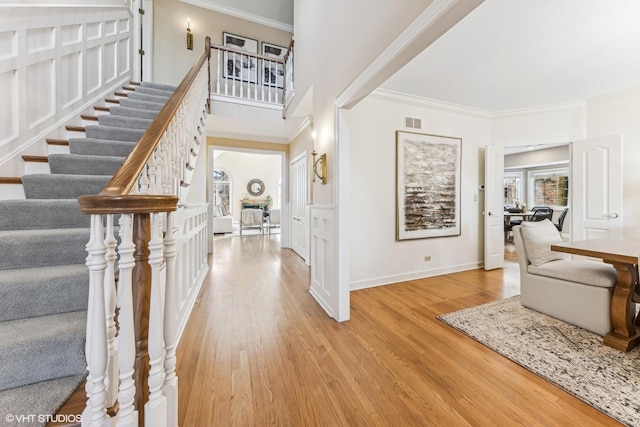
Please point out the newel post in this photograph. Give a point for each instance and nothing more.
(141, 300)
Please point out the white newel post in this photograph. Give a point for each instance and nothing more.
(170, 325)
(111, 382)
(127, 414)
(155, 410)
(95, 413)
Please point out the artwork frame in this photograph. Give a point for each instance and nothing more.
(236, 66)
(273, 73)
(428, 172)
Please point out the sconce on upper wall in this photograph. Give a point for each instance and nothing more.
(323, 167)
(189, 35)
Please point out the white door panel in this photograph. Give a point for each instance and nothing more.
(299, 210)
(493, 207)
(596, 188)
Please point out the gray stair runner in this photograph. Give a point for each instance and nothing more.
(44, 281)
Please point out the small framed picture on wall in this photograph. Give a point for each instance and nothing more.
(273, 72)
(237, 65)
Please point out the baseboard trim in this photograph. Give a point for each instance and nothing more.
(404, 277)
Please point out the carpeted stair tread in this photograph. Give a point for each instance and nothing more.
(113, 133)
(152, 91)
(119, 110)
(62, 186)
(160, 86)
(26, 344)
(41, 248)
(145, 105)
(41, 398)
(100, 147)
(76, 164)
(25, 214)
(146, 97)
(121, 121)
(43, 291)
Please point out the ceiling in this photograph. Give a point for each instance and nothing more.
(516, 54)
(274, 13)
(506, 55)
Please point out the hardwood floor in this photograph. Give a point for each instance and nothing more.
(259, 351)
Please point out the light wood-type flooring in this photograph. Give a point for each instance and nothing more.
(259, 351)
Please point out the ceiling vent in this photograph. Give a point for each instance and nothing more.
(412, 123)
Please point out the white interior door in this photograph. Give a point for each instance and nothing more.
(596, 188)
(493, 207)
(299, 210)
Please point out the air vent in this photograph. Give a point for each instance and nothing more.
(412, 123)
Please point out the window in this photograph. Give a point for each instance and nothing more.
(222, 190)
(513, 194)
(549, 187)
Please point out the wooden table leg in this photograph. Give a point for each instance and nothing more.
(624, 335)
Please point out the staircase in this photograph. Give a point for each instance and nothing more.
(44, 282)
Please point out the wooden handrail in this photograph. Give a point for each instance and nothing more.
(289, 49)
(126, 177)
(245, 53)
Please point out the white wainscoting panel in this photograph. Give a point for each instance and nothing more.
(324, 274)
(56, 60)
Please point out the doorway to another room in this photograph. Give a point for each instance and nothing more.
(246, 192)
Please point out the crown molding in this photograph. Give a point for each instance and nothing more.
(241, 14)
(305, 124)
(578, 105)
(418, 101)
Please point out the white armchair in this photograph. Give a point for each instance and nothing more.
(251, 218)
(275, 219)
(221, 223)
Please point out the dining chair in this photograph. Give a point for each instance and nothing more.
(561, 219)
(541, 213)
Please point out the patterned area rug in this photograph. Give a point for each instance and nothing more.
(565, 355)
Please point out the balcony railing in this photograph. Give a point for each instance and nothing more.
(252, 77)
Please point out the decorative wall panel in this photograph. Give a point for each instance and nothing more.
(8, 106)
(8, 44)
(94, 30)
(110, 61)
(124, 55)
(110, 28)
(55, 62)
(71, 34)
(70, 78)
(93, 77)
(40, 39)
(41, 92)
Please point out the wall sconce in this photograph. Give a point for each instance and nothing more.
(323, 167)
(189, 35)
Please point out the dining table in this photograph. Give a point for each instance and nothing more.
(622, 253)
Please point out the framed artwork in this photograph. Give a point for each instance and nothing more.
(239, 66)
(273, 72)
(427, 185)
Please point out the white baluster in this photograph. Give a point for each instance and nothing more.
(95, 413)
(218, 74)
(127, 414)
(111, 381)
(233, 75)
(170, 325)
(155, 410)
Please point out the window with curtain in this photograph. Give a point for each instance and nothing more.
(550, 187)
(222, 190)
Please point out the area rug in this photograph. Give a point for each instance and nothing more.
(565, 355)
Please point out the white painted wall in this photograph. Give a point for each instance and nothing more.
(617, 113)
(172, 59)
(243, 167)
(376, 257)
(558, 124)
